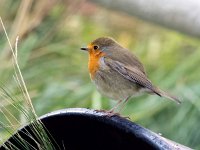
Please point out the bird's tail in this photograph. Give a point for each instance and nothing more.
(162, 93)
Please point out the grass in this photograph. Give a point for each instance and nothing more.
(56, 73)
(26, 110)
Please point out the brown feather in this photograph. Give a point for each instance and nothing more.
(137, 77)
(122, 61)
(119, 53)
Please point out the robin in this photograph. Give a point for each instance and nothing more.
(117, 73)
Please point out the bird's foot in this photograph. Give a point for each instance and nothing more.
(111, 113)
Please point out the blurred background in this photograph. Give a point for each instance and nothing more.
(51, 33)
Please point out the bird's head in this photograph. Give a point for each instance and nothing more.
(102, 45)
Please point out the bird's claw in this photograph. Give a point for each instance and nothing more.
(111, 113)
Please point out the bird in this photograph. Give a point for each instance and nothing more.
(117, 73)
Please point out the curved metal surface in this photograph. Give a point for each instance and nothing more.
(80, 128)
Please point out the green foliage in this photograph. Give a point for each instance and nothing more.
(55, 70)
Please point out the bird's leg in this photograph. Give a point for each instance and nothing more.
(111, 111)
(123, 102)
(118, 103)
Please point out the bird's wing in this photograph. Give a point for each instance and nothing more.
(130, 73)
(127, 58)
(136, 76)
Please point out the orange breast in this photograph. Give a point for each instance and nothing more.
(93, 64)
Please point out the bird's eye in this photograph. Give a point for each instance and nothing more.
(96, 47)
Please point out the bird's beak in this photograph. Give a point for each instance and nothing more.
(84, 49)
